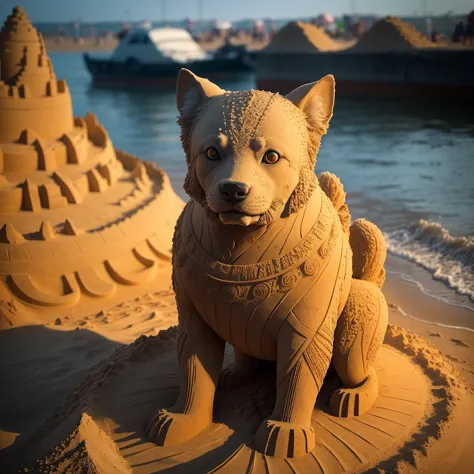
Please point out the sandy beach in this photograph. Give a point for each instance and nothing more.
(54, 355)
(88, 314)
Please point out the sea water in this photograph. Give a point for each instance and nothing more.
(408, 167)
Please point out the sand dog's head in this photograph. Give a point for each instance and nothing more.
(251, 154)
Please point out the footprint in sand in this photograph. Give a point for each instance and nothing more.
(458, 342)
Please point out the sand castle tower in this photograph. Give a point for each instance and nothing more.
(76, 215)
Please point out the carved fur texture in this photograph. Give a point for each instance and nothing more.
(265, 259)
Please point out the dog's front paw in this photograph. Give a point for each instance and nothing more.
(166, 428)
(284, 440)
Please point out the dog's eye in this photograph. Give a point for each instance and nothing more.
(271, 157)
(211, 153)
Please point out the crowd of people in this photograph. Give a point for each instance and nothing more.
(262, 31)
(259, 32)
(464, 32)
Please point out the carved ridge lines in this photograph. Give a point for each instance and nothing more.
(294, 359)
(317, 462)
(352, 449)
(346, 428)
(285, 223)
(333, 454)
(373, 427)
(317, 358)
(263, 270)
(252, 242)
(295, 218)
(248, 326)
(229, 460)
(211, 225)
(312, 283)
(232, 306)
(290, 395)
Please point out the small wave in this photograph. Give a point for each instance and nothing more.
(449, 259)
(448, 297)
(372, 161)
(434, 323)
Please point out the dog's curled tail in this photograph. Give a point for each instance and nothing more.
(369, 251)
(367, 242)
(334, 190)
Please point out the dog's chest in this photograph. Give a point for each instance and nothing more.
(246, 304)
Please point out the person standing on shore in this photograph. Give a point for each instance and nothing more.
(458, 33)
(469, 34)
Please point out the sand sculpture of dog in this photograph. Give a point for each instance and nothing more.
(265, 260)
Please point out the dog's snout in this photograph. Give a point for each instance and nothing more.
(234, 191)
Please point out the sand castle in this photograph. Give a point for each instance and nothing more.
(78, 217)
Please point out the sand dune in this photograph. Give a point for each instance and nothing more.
(298, 37)
(393, 34)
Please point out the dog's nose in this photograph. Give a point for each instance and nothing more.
(234, 191)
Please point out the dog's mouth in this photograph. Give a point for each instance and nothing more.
(238, 218)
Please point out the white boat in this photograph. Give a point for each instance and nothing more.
(156, 56)
(159, 45)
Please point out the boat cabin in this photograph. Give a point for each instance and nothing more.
(158, 45)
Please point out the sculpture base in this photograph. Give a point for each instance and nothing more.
(103, 421)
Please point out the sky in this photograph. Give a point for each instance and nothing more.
(135, 10)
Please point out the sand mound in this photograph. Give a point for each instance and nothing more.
(87, 449)
(297, 37)
(392, 34)
(418, 399)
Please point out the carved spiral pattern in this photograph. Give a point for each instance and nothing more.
(262, 291)
(325, 250)
(310, 267)
(231, 294)
(289, 280)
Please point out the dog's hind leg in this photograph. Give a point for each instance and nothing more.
(359, 334)
(200, 355)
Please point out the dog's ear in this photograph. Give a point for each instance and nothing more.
(192, 91)
(316, 100)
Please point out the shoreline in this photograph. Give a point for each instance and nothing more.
(68, 44)
(448, 327)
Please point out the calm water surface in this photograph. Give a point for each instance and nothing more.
(401, 165)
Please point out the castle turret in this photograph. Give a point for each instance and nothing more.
(30, 95)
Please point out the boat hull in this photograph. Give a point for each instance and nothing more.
(444, 75)
(104, 71)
